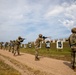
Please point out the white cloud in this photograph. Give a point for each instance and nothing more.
(68, 23)
(29, 18)
(55, 11)
(70, 11)
(64, 12)
(69, 18)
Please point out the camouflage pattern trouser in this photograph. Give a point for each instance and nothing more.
(73, 57)
(12, 49)
(0, 47)
(9, 48)
(36, 52)
(5, 48)
(16, 50)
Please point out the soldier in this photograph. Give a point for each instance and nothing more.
(37, 45)
(6, 45)
(17, 45)
(10, 44)
(72, 43)
(1, 45)
(13, 46)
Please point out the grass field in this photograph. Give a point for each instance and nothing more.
(6, 69)
(52, 53)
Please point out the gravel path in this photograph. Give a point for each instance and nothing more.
(48, 65)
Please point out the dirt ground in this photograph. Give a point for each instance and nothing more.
(48, 65)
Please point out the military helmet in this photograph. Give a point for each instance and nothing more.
(40, 35)
(10, 40)
(19, 37)
(73, 30)
(13, 40)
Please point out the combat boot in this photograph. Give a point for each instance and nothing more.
(14, 53)
(74, 69)
(37, 59)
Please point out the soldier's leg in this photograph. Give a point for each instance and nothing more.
(73, 65)
(18, 51)
(75, 59)
(71, 57)
(9, 49)
(4, 47)
(15, 50)
(12, 49)
(0, 47)
(36, 54)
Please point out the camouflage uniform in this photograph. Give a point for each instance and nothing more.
(17, 45)
(13, 46)
(6, 45)
(72, 42)
(37, 46)
(9, 44)
(1, 45)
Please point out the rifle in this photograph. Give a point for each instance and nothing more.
(45, 37)
(22, 39)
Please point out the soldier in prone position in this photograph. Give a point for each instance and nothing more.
(72, 43)
(17, 45)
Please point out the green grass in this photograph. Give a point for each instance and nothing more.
(52, 53)
(6, 69)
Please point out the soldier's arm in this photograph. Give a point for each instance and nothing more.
(40, 39)
(69, 42)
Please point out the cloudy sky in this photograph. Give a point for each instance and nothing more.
(28, 18)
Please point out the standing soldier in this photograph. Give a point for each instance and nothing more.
(1, 45)
(9, 44)
(37, 45)
(17, 45)
(13, 46)
(6, 45)
(72, 42)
